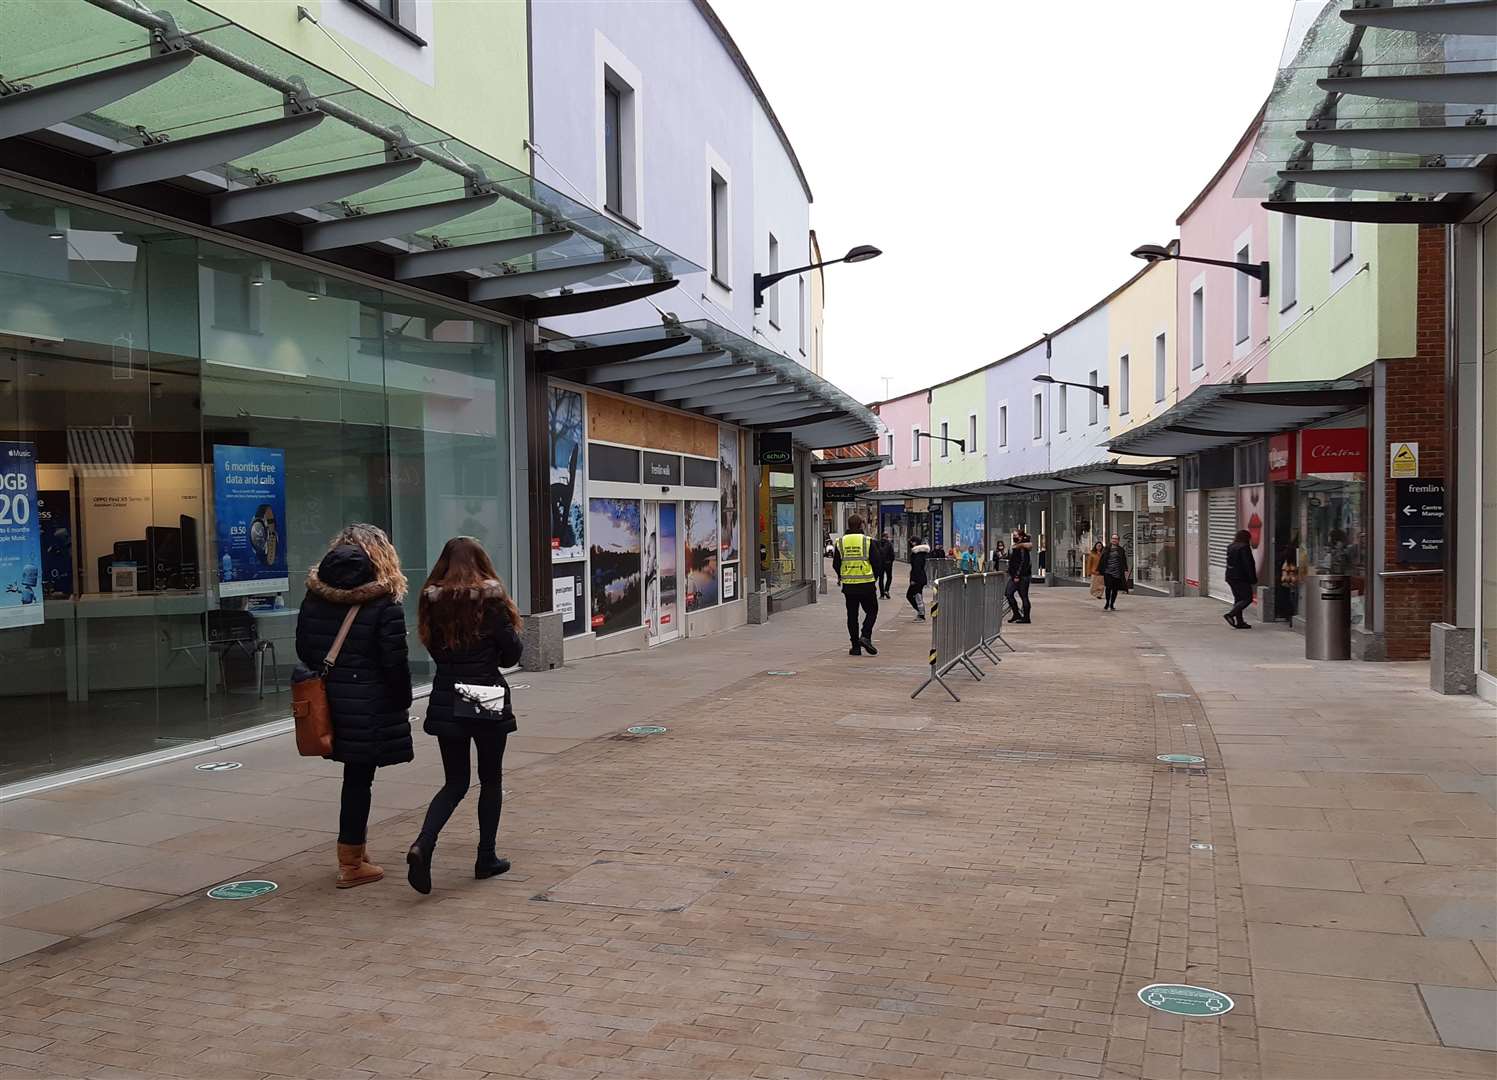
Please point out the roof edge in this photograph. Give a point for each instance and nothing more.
(1247, 136)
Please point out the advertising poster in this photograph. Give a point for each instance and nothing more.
(968, 525)
(567, 597)
(568, 535)
(249, 513)
(727, 468)
(730, 583)
(616, 598)
(20, 537)
(1250, 514)
(701, 555)
(54, 514)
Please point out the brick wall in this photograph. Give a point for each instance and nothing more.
(1415, 411)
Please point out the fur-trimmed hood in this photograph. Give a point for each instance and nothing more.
(920, 549)
(489, 590)
(346, 576)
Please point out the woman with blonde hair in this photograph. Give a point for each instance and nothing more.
(369, 685)
(472, 629)
(1092, 571)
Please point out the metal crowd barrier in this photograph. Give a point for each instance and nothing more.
(959, 623)
(936, 569)
(994, 588)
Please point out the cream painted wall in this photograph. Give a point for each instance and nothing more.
(1135, 317)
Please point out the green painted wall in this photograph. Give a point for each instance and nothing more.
(953, 404)
(1344, 319)
(480, 90)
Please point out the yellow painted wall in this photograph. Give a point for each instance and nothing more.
(1135, 317)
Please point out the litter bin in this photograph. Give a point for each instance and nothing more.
(1328, 617)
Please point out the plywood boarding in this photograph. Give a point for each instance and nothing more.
(633, 423)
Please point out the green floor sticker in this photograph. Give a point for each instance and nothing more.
(646, 729)
(1180, 759)
(1185, 1000)
(241, 890)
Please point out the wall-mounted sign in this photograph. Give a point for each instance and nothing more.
(1420, 514)
(1282, 462)
(662, 468)
(1333, 450)
(1161, 494)
(839, 495)
(249, 516)
(1403, 459)
(20, 537)
(775, 448)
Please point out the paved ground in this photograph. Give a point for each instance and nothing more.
(812, 876)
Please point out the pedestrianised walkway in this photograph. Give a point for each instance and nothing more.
(808, 875)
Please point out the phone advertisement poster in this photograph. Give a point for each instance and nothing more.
(249, 512)
(20, 537)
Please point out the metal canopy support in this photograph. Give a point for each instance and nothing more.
(1423, 181)
(289, 196)
(557, 361)
(805, 421)
(534, 281)
(1402, 212)
(1455, 140)
(732, 370)
(33, 110)
(760, 389)
(181, 157)
(660, 365)
(372, 228)
(546, 307)
(1452, 17)
(451, 260)
(774, 413)
(1451, 88)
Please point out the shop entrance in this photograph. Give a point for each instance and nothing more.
(1221, 527)
(661, 573)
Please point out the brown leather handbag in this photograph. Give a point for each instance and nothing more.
(309, 707)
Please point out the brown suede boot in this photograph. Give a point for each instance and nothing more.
(353, 868)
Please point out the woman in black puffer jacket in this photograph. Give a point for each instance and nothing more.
(471, 627)
(369, 688)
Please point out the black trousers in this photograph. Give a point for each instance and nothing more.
(456, 770)
(353, 809)
(885, 579)
(863, 596)
(1110, 588)
(1018, 594)
(1242, 598)
(912, 594)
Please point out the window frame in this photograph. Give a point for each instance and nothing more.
(971, 434)
(613, 156)
(889, 435)
(614, 71)
(1288, 270)
(1161, 366)
(945, 438)
(1351, 243)
(915, 445)
(1062, 410)
(1037, 418)
(1094, 406)
(1197, 316)
(772, 294)
(1124, 379)
(393, 21)
(719, 222)
(1242, 299)
(1003, 425)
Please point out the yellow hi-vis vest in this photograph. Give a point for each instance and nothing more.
(857, 566)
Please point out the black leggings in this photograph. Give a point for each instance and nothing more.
(457, 769)
(353, 812)
(1110, 586)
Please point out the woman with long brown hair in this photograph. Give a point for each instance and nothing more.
(369, 687)
(471, 627)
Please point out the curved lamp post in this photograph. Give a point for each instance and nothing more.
(1153, 253)
(861, 253)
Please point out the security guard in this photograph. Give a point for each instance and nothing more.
(852, 558)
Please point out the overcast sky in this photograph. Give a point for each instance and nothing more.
(1005, 156)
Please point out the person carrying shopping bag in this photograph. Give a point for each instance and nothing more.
(359, 583)
(471, 627)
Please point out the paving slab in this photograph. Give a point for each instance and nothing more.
(1359, 955)
(1464, 1017)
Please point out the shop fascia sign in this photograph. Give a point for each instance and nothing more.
(1282, 464)
(1333, 450)
(775, 448)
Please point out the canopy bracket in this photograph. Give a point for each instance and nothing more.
(270, 197)
(388, 224)
(168, 159)
(25, 111)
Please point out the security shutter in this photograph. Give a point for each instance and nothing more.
(1221, 526)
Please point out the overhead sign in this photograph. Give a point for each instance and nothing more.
(775, 448)
(1282, 464)
(1420, 514)
(1185, 1000)
(840, 495)
(1403, 459)
(1161, 494)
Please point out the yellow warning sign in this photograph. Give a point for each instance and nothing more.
(1403, 459)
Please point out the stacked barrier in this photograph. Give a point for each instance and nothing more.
(995, 587)
(958, 621)
(935, 569)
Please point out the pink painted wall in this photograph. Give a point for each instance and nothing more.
(901, 415)
(1213, 229)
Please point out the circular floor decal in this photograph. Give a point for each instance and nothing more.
(1185, 1000)
(241, 890)
(1180, 759)
(218, 766)
(1198, 846)
(1169, 696)
(646, 729)
(780, 673)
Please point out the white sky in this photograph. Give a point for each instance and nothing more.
(1005, 156)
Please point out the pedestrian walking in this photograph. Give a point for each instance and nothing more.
(969, 561)
(1242, 576)
(470, 625)
(915, 594)
(1000, 557)
(1093, 561)
(853, 560)
(1020, 573)
(1113, 565)
(883, 564)
(353, 602)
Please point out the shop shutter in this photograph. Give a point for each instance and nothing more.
(1221, 526)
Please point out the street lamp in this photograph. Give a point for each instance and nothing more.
(1153, 253)
(1102, 390)
(861, 253)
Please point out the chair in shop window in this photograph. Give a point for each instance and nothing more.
(227, 631)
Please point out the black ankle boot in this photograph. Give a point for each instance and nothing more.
(489, 865)
(418, 867)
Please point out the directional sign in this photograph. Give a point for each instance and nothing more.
(1420, 513)
(241, 890)
(1185, 1000)
(1421, 546)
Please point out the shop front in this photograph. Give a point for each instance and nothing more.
(1144, 517)
(1009, 513)
(1080, 518)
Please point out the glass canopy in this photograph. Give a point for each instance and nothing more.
(1322, 45)
(237, 79)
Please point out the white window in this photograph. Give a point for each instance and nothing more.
(1123, 367)
(914, 446)
(971, 433)
(1198, 329)
(889, 446)
(1094, 400)
(719, 205)
(399, 13)
(1061, 419)
(1003, 425)
(1243, 299)
(945, 437)
(801, 315)
(620, 146)
(1038, 420)
(1341, 244)
(1288, 262)
(1161, 368)
(773, 299)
